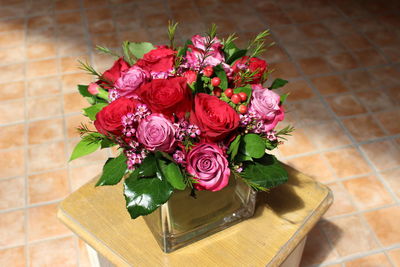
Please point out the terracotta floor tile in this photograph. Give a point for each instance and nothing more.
(346, 105)
(71, 81)
(12, 72)
(392, 53)
(368, 192)
(370, 261)
(77, 48)
(11, 55)
(11, 39)
(40, 22)
(360, 80)
(384, 155)
(47, 157)
(140, 35)
(342, 203)
(395, 256)
(298, 90)
(58, 252)
(349, 235)
(44, 107)
(327, 85)
(369, 58)
(101, 63)
(326, 46)
(13, 257)
(12, 229)
(71, 64)
(327, 135)
(12, 25)
(12, 136)
(342, 61)
(315, 31)
(392, 177)
(44, 86)
(363, 128)
(11, 91)
(275, 54)
(313, 165)
(81, 175)
(340, 27)
(43, 223)
(314, 65)
(41, 50)
(317, 249)
(394, 94)
(12, 163)
(299, 143)
(74, 102)
(68, 18)
(299, 50)
(375, 100)
(284, 69)
(309, 112)
(389, 120)
(301, 15)
(41, 68)
(12, 111)
(12, 193)
(44, 131)
(74, 121)
(276, 18)
(386, 76)
(383, 38)
(385, 227)
(355, 41)
(347, 162)
(48, 186)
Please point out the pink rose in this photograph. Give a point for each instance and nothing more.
(266, 104)
(130, 80)
(209, 166)
(156, 132)
(196, 53)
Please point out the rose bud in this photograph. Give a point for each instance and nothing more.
(95, 89)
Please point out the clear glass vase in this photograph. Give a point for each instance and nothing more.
(185, 219)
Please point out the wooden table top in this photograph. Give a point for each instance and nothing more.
(282, 219)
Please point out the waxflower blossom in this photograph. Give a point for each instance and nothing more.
(179, 157)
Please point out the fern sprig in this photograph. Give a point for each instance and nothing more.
(88, 68)
(105, 50)
(171, 32)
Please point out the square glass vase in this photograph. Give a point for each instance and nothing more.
(184, 219)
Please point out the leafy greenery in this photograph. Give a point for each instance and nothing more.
(148, 187)
(105, 50)
(139, 49)
(232, 52)
(91, 111)
(287, 131)
(88, 68)
(171, 32)
(278, 83)
(86, 146)
(92, 99)
(172, 173)
(257, 45)
(113, 170)
(252, 145)
(219, 71)
(266, 172)
(234, 147)
(283, 98)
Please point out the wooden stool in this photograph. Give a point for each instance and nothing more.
(274, 236)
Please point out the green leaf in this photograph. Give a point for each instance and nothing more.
(148, 168)
(83, 90)
(232, 52)
(271, 145)
(252, 145)
(93, 110)
(283, 98)
(139, 49)
(144, 195)
(113, 171)
(241, 158)
(246, 89)
(278, 83)
(182, 50)
(234, 147)
(107, 143)
(172, 173)
(199, 85)
(266, 172)
(220, 72)
(85, 147)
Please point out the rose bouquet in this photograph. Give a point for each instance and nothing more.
(194, 116)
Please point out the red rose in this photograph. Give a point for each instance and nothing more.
(111, 75)
(108, 120)
(215, 118)
(167, 96)
(253, 65)
(161, 59)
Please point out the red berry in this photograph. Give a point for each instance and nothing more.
(235, 99)
(215, 81)
(242, 109)
(229, 92)
(243, 96)
(208, 71)
(217, 92)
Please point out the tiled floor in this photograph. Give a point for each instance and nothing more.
(342, 58)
